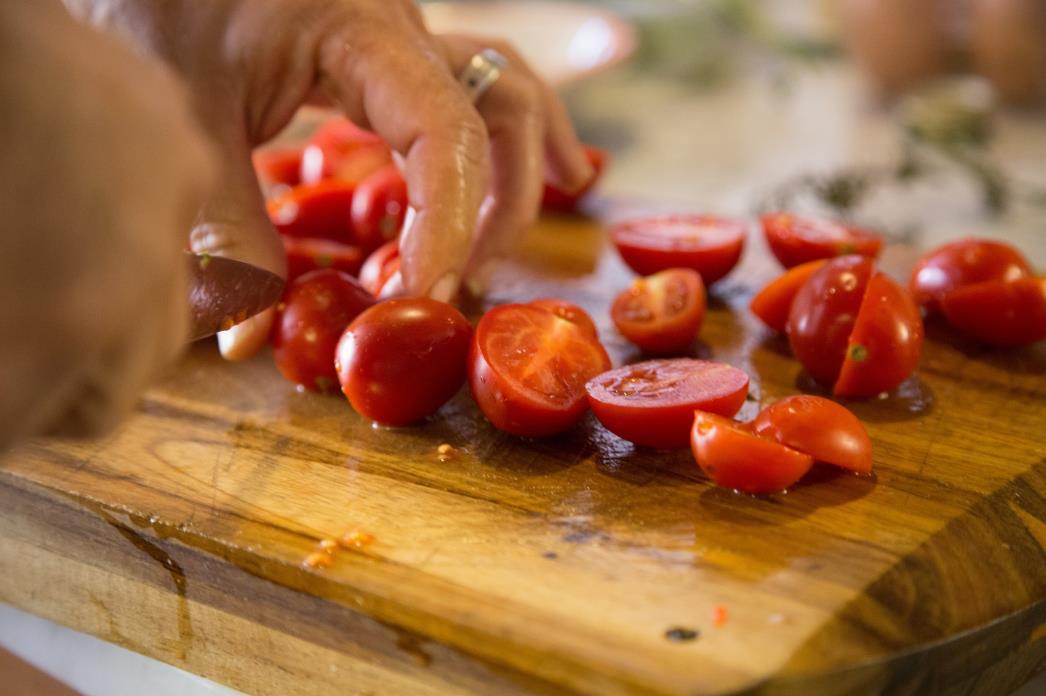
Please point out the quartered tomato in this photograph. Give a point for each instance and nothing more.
(304, 255)
(662, 313)
(528, 369)
(400, 360)
(999, 313)
(339, 149)
(379, 208)
(818, 427)
(707, 244)
(278, 166)
(557, 199)
(795, 240)
(964, 262)
(310, 319)
(734, 457)
(381, 265)
(773, 302)
(652, 403)
(319, 211)
(569, 311)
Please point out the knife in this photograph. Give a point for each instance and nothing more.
(224, 292)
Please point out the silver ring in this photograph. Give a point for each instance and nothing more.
(481, 72)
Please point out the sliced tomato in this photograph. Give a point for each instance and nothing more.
(380, 267)
(557, 199)
(1000, 313)
(277, 166)
(652, 403)
(569, 311)
(339, 149)
(734, 457)
(528, 369)
(773, 302)
(964, 262)
(379, 207)
(318, 211)
(662, 313)
(794, 239)
(304, 255)
(707, 244)
(818, 427)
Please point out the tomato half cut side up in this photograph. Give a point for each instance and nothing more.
(964, 262)
(794, 239)
(734, 457)
(662, 313)
(652, 403)
(569, 311)
(1005, 314)
(774, 301)
(818, 427)
(528, 369)
(707, 244)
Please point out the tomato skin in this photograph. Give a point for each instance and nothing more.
(886, 341)
(823, 315)
(818, 427)
(662, 313)
(794, 239)
(401, 360)
(304, 255)
(318, 211)
(708, 244)
(652, 403)
(734, 457)
(563, 201)
(339, 149)
(774, 302)
(964, 262)
(379, 208)
(1005, 314)
(310, 319)
(516, 343)
(569, 311)
(382, 263)
(277, 166)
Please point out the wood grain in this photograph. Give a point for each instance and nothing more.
(555, 565)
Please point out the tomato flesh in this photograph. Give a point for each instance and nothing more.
(565, 201)
(304, 255)
(339, 149)
(652, 403)
(964, 262)
(818, 427)
(528, 369)
(1000, 313)
(662, 313)
(794, 239)
(710, 245)
(318, 211)
(569, 311)
(774, 302)
(379, 208)
(379, 267)
(734, 457)
(401, 360)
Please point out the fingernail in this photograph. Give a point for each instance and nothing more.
(479, 281)
(393, 287)
(445, 288)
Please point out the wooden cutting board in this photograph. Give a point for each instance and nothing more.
(573, 564)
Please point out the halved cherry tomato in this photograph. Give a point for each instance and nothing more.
(795, 240)
(318, 211)
(339, 149)
(304, 255)
(1000, 313)
(310, 319)
(400, 360)
(818, 427)
(379, 267)
(652, 403)
(569, 311)
(773, 302)
(707, 244)
(964, 262)
(662, 313)
(734, 457)
(278, 166)
(379, 208)
(557, 199)
(528, 369)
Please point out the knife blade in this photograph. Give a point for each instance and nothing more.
(224, 292)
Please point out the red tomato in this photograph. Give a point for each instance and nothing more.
(379, 207)
(339, 149)
(569, 311)
(818, 427)
(400, 360)
(886, 341)
(304, 255)
(795, 240)
(773, 302)
(278, 166)
(310, 319)
(709, 245)
(652, 403)
(380, 266)
(964, 262)
(557, 199)
(734, 457)
(528, 369)
(1000, 313)
(661, 313)
(318, 211)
